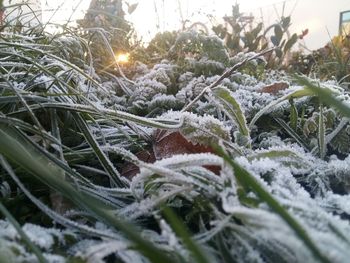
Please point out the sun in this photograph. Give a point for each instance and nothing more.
(122, 58)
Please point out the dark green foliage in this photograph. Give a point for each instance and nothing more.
(245, 35)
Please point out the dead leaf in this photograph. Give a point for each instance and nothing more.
(167, 144)
(129, 170)
(275, 88)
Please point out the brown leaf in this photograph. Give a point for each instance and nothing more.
(168, 144)
(275, 88)
(129, 170)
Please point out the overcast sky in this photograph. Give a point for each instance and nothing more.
(151, 16)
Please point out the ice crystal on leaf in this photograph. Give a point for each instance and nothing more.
(16, 251)
(203, 130)
(87, 124)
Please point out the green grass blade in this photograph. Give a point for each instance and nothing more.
(292, 133)
(15, 147)
(23, 235)
(246, 178)
(28, 98)
(106, 163)
(321, 135)
(180, 230)
(224, 250)
(58, 218)
(293, 115)
(295, 94)
(42, 68)
(113, 114)
(232, 109)
(44, 53)
(289, 158)
(29, 128)
(325, 95)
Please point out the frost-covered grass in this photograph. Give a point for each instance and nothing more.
(243, 175)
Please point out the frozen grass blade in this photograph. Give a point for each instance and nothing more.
(33, 62)
(23, 235)
(63, 61)
(52, 214)
(325, 95)
(292, 133)
(112, 114)
(295, 94)
(21, 152)
(106, 163)
(321, 134)
(224, 251)
(336, 131)
(248, 180)
(289, 158)
(17, 148)
(26, 106)
(226, 74)
(293, 115)
(31, 98)
(27, 127)
(233, 110)
(180, 229)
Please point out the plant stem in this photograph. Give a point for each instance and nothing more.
(226, 74)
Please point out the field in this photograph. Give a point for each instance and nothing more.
(223, 147)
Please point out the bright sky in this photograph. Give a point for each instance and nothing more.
(321, 17)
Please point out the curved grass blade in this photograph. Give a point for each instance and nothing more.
(325, 95)
(181, 231)
(338, 129)
(295, 94)
(322, 147)
(28, 98)
(27, 127)
(289, 158)
(44, 53)
(292, 133)
(16, 148)
(245, 178)
(293, 115)
(23, 235)
(232, 109)
(123, 116)
(224, 250)
(52, 214)
(106, 163)
(28, 109)
(42, 69)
